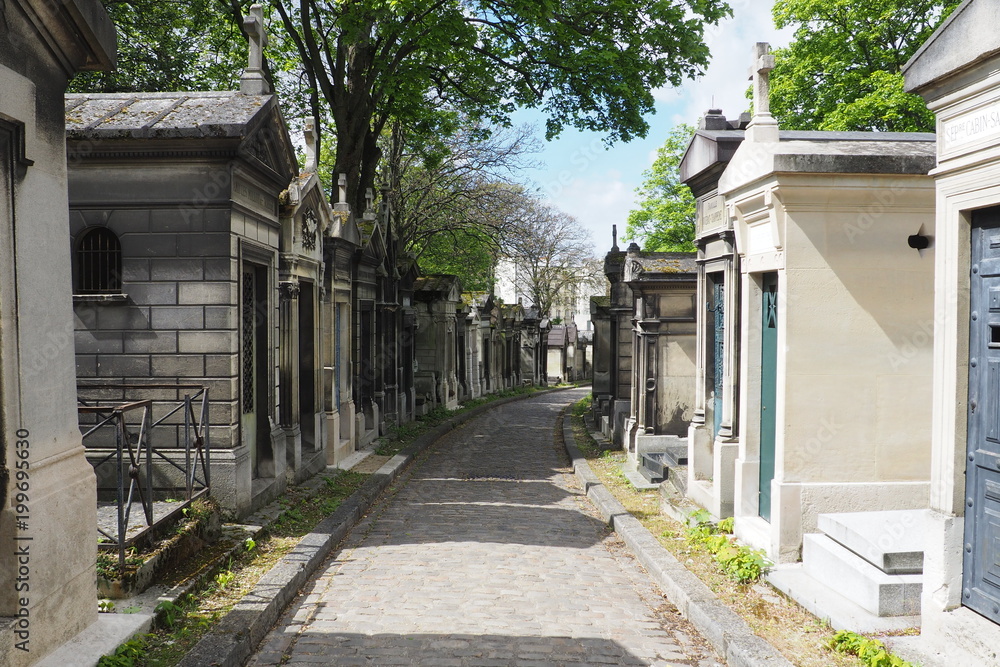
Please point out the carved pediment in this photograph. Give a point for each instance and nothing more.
(633, 270)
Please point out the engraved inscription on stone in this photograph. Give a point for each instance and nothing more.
(712, 212)
(254, 198)
(972, 126)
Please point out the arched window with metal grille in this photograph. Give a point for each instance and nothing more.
(98, 262)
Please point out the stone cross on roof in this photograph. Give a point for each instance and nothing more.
(253, 81)
(762, 127)
(341, 204)
(760, 74)
(312, 147)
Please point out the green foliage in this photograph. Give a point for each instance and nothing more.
(842, 69)
(106, 606)
(738, 562)
(250, 544)
(466, 253)
(581, 407)
(665, 218)
(168, 46)
(169, 613)
(224, 578)
(107, 562)
(591, 64)
(871, 652)
(741, 564)
(129, 654)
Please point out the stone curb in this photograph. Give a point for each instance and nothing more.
(728, 633)
(240, 631)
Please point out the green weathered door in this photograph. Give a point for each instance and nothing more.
(981, 552)
(768, 388)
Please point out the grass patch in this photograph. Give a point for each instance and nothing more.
(738, 562)
(871, 652)
(800, 636)
(181, 624)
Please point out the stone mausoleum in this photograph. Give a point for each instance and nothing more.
(713, 437)
(47, 578)
(958, 73)
(176, 268)
(836, 288)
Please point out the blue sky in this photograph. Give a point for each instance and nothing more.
(597, 185)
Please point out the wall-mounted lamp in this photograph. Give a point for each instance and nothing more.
(918, 241)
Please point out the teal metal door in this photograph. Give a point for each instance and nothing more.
(718, 350)
(768, 388)
(981, 553)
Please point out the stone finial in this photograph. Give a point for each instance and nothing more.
(342, 204)
(713, 120)
(369, 200)
(614, 238)
(384, 191)
(312, 145)
(253, 81)
(762, 127)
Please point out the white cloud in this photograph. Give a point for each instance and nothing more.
(597, 204)
(725, 81)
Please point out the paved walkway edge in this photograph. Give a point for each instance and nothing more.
(728, 633)
(239, 632)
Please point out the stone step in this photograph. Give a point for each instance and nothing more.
(678, 456)
(892, 541)
(679, 477)
(654, 466)
(828, 604)
(856, 579)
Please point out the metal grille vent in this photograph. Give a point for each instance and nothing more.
(249, 326)
(99, 262)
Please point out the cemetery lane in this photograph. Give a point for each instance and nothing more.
(485, 552)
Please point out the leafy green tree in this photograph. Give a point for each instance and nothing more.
(452, 197)
(842, 69)
(465, 253)
(169, 46)
(589, 64)
(551, 253)
(664, 221)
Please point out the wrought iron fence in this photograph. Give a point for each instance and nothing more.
(133, 454)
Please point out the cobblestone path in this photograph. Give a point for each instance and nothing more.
(487, 553)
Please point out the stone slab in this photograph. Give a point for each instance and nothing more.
(892, 541)
(110, 630)
(858, 580)
(636, 478)
(825, 603)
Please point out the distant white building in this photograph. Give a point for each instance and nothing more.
(572, 305)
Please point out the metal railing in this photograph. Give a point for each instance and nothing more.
(133, 454)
